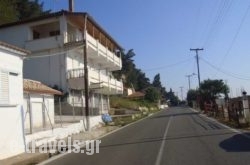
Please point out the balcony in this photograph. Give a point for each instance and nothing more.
(42, 44)
(102, 55)
(97, 52)
(98, 82)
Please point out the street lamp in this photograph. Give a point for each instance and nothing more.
(188, 76)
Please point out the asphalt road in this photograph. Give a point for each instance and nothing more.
(177, 136)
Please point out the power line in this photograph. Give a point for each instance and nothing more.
(235, 37)
(223, 9)
(169, 65)
(225, 72)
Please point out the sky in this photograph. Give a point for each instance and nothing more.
(161, 32)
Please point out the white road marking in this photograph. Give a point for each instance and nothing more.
(159, 155)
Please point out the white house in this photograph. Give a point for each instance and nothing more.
(57, 42)
(38, 105)
(11, 100)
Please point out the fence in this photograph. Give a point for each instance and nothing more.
(73, 109)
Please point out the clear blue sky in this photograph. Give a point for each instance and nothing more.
(161, 32)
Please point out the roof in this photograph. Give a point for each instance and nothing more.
(6, 45)
(32, 86)
(60, 13)
(136, 95)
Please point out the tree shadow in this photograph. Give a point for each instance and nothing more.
(159, 139)
(174, 115)
(237, 143)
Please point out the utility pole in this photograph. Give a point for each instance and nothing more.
(181, 93)
(189, 76)
(86, 77)
(197, 61)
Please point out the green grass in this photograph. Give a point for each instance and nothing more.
(120, 102)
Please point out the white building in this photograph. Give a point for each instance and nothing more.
(38, 105)
(11, 100)
(57, 44)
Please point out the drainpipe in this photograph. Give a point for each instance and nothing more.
(30, 113)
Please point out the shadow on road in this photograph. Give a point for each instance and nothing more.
(159, 139)
(175, 115)
(237, 143)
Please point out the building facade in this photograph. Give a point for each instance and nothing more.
(57, 43)
(12, 141)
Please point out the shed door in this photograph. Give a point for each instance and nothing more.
(38, 115)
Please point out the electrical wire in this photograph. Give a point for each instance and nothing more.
(235, 37)
(225, 72)
(53, 54)
(169, 65)
(222, 12)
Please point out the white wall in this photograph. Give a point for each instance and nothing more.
(74, 60)
(48, 70)
(11, 131)
(15, 35)
(10, 62)
(19, 34)
(11, 113)
(37, 110)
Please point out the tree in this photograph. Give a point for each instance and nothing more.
(28, 9)
(142, 81)
(210, 89)
(170, 96)
(152, 94)
(157, 81)
(131, 75)
(8, 13)
(191, 96)
(16, 10)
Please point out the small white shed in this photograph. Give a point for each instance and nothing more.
(38, 105)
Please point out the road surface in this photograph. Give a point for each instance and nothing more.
(177, 136)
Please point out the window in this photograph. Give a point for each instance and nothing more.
(36, 35)
(14, 88)
(4, 87)
(9, 88)
(54, 33)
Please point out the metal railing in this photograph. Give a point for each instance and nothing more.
(73, 37)
(75, 73)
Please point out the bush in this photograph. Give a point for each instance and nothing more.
(152, 94)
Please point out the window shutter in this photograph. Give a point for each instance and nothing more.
(4, 88)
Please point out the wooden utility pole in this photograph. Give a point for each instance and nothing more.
(181, 93)
(197, 61)
(189, 76)
(86, 76)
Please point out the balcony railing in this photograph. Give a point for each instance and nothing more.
(72, 37)
(75, 73)
(44, 43)
(103, 54)
(96, 77)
